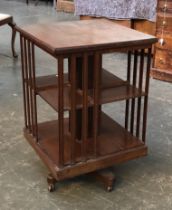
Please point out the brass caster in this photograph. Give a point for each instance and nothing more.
(51, 187)
(109, 188)
(105, 176)
(51, 183)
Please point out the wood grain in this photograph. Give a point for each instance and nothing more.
(84, 35)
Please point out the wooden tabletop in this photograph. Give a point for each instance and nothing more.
(70, 36)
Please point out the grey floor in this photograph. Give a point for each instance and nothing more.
(143, 184)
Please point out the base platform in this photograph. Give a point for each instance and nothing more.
(115, 145)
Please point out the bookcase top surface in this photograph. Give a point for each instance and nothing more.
(75, 36)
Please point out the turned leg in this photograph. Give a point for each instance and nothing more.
(51, 183)
(105, 176)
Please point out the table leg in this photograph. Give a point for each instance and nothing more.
(12, 25)
(13, 43)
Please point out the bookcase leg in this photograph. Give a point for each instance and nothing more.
(51, 183)
(105, 176)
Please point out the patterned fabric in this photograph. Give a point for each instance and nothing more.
(117, 9)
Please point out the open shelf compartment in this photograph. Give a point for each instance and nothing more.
(112, 89)
(112, 139)
(109, 80)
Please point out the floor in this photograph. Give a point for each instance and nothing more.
(143, 184)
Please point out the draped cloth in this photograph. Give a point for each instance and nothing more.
(117, 9)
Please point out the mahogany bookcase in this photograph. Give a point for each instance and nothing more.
(88, 139)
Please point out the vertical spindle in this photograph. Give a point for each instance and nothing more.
(128, 80)
(24, 80)
(85, 106)
(34, 93)
(146, 92)
(27, 84)
(30, 87)
(140, 89)
(60, 111)
(134, 86)
(73, 107)
(96, 96)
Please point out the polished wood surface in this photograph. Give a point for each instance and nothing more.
(86, 35)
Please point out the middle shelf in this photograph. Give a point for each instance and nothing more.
(112, 89)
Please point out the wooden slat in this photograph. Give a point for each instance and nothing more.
(60, 112)
(96, 96)
(128, 80)
(85, 107)
(23, 80)
(73, 107)
(134, 85)
(27, 82)
(140, 87)
(30, 87)
(34, 92)
(146, 97)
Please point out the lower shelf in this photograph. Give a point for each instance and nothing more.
(115, 145)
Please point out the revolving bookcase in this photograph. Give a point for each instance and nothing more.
(87, 140)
